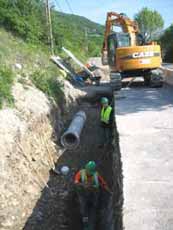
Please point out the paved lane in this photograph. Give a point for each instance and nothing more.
(145, 124)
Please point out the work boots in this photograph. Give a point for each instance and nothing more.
(85, 223)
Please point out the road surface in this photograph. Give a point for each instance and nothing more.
(168, 65)
(145, 124)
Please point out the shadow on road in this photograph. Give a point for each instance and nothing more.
(139, 98)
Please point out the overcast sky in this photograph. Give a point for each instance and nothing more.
(96, 9)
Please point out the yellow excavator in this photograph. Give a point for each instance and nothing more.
(128, 54)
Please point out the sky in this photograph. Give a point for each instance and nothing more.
(96, 9)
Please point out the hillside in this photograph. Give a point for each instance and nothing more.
(23, 41)
(78, 33)
(28, 64)
(27, 20)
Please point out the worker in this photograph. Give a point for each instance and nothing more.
(89, 183)
(106, 118)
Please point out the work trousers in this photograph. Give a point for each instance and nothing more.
(106, 135)
(88, 201)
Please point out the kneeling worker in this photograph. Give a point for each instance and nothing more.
(88, 183)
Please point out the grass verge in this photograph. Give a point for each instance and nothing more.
(6, 82)
(47, 82)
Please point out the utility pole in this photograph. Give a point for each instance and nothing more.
(86, 39)
(49, 25)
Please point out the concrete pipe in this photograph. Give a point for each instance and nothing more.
(71, 138)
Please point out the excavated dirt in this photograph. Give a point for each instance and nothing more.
(58, 207)
(28, 137)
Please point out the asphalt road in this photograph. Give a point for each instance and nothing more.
(145, 124)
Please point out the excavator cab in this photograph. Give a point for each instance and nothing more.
(115, 41)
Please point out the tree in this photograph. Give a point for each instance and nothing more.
(149, 21)
(167, 44)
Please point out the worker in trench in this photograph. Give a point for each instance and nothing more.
(88, 186)
(106, 122)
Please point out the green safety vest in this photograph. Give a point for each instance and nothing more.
(84, 179)
(105, 114)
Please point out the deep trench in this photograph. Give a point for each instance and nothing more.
(58, 206)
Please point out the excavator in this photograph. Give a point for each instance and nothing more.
(129, 54)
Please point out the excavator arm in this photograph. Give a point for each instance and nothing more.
(120, 20)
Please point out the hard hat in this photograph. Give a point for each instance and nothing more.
(104, 100)
(90, 167)
(88, 65)
(65, 170)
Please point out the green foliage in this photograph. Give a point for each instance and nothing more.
(26, 18)
(6, 81)
(93, 49)
(48, 83)
(167, 44)
(149, 21)
(35, 65)
(77, 34)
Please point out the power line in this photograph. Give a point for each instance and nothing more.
(69, 6)
(58, 5)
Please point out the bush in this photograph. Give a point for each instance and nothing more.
(48, 83)
(167, 45)
(6, 82)
(24, 18)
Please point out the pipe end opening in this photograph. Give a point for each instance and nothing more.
(69, 141)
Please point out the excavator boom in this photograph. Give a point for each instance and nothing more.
(120, 20)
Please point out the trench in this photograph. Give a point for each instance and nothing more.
(58, 207)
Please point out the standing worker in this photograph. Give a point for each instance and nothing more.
(89, 182)
(106, 118)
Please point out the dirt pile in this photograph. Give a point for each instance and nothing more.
(27, 150)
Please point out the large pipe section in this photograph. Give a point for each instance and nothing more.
(71, 138)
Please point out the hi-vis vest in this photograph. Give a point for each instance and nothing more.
(105, 114)
(84, 179)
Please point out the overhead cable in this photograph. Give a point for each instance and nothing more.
(69, 6)
(58, 5)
